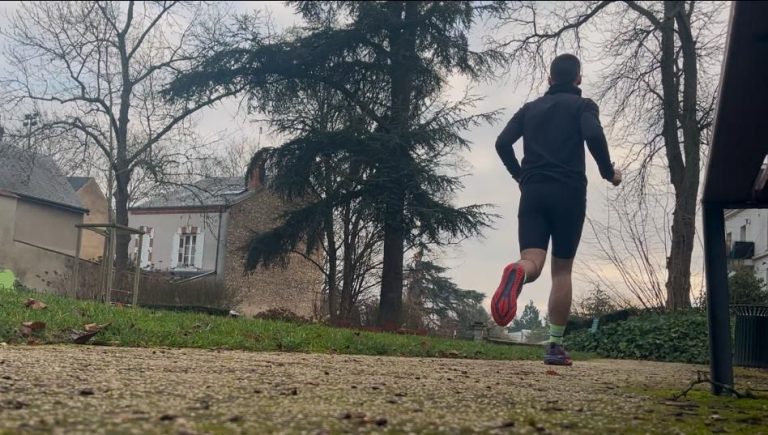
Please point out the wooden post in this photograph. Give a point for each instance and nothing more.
(102, 289)
(137, 277)
(76, 266)
(110, 265)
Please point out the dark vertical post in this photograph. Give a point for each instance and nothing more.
(137, 276)
(720, 358)
(76, 266)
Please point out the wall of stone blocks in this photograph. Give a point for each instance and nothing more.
(295, 287)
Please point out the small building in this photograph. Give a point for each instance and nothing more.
(202, 230)
(38, 213)
(92, 198)
(746, 240)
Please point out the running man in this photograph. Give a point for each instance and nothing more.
(553, 198)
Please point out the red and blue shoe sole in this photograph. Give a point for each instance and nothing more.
(504, 302)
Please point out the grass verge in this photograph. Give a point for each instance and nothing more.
(139, 327)
(701, 412)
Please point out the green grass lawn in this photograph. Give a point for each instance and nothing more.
(156, 328)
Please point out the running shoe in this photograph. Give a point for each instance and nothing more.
(556, 355)
(504, 302)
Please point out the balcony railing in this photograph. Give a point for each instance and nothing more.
(742, 251)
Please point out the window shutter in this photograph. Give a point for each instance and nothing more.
(175, 250)
(145, 251)
(199, 250)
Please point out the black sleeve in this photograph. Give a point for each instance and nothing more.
(593, 134)
(511, 133)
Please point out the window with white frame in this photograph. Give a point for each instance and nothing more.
(187, 248)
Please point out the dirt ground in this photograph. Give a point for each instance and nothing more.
(68, 389)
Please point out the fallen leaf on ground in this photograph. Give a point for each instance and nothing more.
(27, 328)
(35, 326)
(35, 304)
(93, 327)
(553, 373)
(79, 337)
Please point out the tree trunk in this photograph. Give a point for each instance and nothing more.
(332, 259)
(679, 261)
(683, 169)
(684, 222)
(122, 162)
(123, 239)
(402, 39)
(332, 253)
(391, 302)
(349, 232)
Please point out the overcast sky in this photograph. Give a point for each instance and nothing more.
(475, 264)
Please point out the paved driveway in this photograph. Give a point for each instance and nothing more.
(68, 389)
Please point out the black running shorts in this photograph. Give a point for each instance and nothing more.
(552, 209)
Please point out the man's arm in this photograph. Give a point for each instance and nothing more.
(511, 133)
(592, 132)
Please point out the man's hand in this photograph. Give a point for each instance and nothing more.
(616, 180)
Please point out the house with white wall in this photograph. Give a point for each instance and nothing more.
(201, 231)
(185, 228)
(746, 238)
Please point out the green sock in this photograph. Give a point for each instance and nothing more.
(556, 333)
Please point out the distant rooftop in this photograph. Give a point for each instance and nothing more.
(77, 182)
(215, 191)
(35, 176)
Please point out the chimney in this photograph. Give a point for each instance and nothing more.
(255, 178)
(256, 169)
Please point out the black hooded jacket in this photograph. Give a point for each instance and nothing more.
(554, 128)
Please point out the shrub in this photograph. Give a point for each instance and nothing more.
(680, 337)
(579, 323)
(746, 288)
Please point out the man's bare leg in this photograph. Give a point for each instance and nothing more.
(532, 261)
(559, 308)
(562, 290)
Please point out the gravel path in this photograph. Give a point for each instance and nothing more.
(68, 389)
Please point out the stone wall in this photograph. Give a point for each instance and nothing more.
(295, 288)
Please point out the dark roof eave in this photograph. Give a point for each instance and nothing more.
(52, 203)
(180, 207)
(243, 196)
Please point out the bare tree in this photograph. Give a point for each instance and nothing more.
(659, 71)
(233, 156)
(98, 68)
(633, 242)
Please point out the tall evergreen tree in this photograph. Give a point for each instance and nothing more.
(390, 61)
(434, 301)
(530, 319)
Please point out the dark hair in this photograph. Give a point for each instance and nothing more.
(565, 69)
